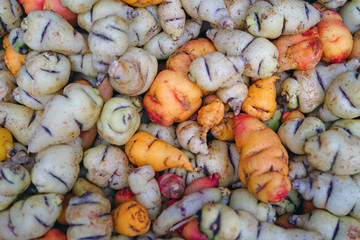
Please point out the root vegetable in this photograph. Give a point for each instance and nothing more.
(34, 102)
(66, 115)
(108, 39)
(107, 166)
(83, 64)
(172, 18)
(10, 14)
(215, 70)
(210, 11)
(306, 89)
(241, 198)
(53, 234)
(171, 98)
(263, 164)
(224, 130)
(79, 6)
(165, 133)
(146, 189)
(16, 41)
(291, 204)
(58, 7)
(341, 100)
(331, 4)
(22, 157)
(273, 18)
(131, 219)
(295, 132)
(299, 51)
(299, 167)
(7, 85)
(40, 28)
(256, 51)
(261, 99)
(189, 135)
(118, 121)
(329, 225)
(350, 16)
(21, 121)
(30, 218)
(15, 180)
(6, 144)
(223, 159)
(133, 73)
(162, 45)
(85, 212)
(274, 122)
(50, 175)
(143, 148)
(171, 185)
(183, 209)
(235, 94)
(335, 151)
(13, 60)
(43, 73)
(336, 38)
(202, 183)
(124, 195)
(338, 194)
(142, 3)
(219, 221)
(83, 186)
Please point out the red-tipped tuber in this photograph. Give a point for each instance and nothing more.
(201, 183)
(171, 185)
(124, 195)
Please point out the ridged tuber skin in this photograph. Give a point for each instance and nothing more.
(260, 101)
(241, 198)
(215, 70)
(189, 135)
(105, 8)
(223, 159)
(350, 16)
(65, 116)
(16, 40)
(144, 26)
(307, 88)
(225, 129)
(341, 99)
(51, 174)
(256, 50)
(273, 18)
(20, 120)
(165, 133)
(335, 151)
(30, 218)
(172, 18)
(352, 126)
(299, 51)
(7, 85)
(12, 59)
(237, 11)
(34, 102)
(234, 95)
(330, 226)
(143, 184)
(296, 131)
(162, 45)
(299, 167)
(336, 38)
(263, 164)
(118, 121)
(107, 166)
(142, 3)
(133, 73)
(331, 4)
(15, 180)
(172, 97)
(43, 73)
(209, 115)
(186, 207)
(48, 31)
(108, 39)
(338, 194)
(89, 217)
(219, 221)
(10, 14)
(213, 11)
(79, 6)
(83, 186)
(83, 64)
(146, 149)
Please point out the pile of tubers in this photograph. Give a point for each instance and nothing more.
(179, 119)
